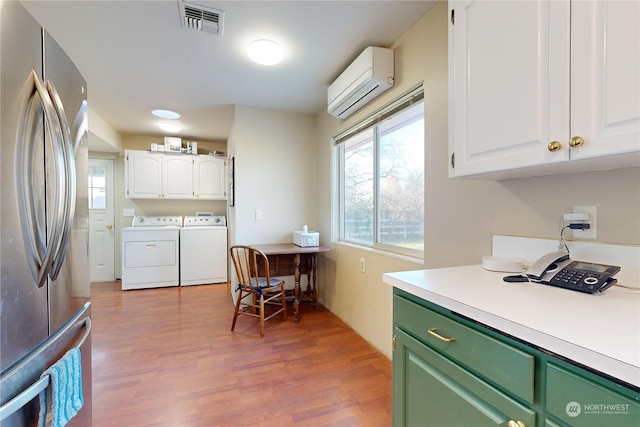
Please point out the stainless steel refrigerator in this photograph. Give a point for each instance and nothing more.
(44, 273)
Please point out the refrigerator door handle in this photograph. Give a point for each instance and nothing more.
(41, 384)
(40, 251)
(69, 193)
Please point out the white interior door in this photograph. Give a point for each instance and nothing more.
(101, 220)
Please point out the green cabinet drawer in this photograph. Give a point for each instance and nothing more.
(431, 390)
(581, 402)
(500, 363)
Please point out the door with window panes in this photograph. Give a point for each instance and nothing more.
(101, 221)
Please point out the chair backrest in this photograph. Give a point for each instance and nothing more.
(246, 261)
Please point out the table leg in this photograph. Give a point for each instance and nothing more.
(313, 279)
(297, 290)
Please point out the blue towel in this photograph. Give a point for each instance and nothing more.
(65, 390)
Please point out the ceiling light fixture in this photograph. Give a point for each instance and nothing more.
(166, 114)
(265, 52)
(169, 127)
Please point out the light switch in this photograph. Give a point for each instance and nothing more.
(128, 212)
(258, 215)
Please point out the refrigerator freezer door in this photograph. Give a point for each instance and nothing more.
(21, 385)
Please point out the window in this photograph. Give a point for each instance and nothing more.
(381, 180)
(97, 187)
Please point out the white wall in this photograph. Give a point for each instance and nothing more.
(460, 215)
(103, 137)
(275, 173)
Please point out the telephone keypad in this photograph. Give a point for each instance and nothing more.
(577, 279)
(579, 276)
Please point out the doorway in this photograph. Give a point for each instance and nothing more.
(101, 220)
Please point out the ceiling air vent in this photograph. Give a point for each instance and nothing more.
(201, 17)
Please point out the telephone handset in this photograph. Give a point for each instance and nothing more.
(557, 269)
(548, 262)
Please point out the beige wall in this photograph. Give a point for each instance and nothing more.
(460, 215)
(275, 173)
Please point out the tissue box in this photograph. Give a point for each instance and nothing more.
(310, 238)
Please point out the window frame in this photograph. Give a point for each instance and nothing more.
(373, 121)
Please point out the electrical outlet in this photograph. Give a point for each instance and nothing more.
(362, 265)
(591, 233)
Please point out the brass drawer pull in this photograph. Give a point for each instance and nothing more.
(433, 332)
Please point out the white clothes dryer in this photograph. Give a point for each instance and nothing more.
(150, 252)
(203, 250)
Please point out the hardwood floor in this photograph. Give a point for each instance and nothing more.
(166, 357)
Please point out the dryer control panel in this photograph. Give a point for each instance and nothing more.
(156, 221)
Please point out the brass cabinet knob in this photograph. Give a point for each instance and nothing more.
(513, 423)
(109, 227)
(554, 146)
(576, 141)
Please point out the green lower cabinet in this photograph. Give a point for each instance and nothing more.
(449, 371)
(431, 390)
(580, 402)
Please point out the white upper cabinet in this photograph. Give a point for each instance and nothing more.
(150, 175)
(605, 77)
(530, 80)
(143, 175)
(209, 178)
(177, 180)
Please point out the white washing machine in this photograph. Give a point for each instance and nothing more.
(150, 252)
(203, 250)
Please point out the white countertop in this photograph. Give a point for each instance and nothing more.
(600, 331)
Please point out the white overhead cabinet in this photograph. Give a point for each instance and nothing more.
(150, 175)
(177, 176)
(544, 87)
(143, 175)
(209, 178)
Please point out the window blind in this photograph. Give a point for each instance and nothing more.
(408, 98)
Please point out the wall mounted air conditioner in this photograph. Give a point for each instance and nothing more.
(367, 77)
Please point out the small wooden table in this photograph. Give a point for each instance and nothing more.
(286, 259)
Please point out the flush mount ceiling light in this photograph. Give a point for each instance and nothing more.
(169, 127)
(166, 114)
(265, 52)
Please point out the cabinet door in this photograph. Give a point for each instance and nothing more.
(177, 181)
(509, 84)
(143, 176)
(582, 402)
(431, 390)
(209, 175)
(605, 82)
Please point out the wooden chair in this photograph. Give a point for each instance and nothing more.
(263, 290)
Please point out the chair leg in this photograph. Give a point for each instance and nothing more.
(261, 316)
(237, 309)
(284, 302)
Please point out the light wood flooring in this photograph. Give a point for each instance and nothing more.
(167, 358)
